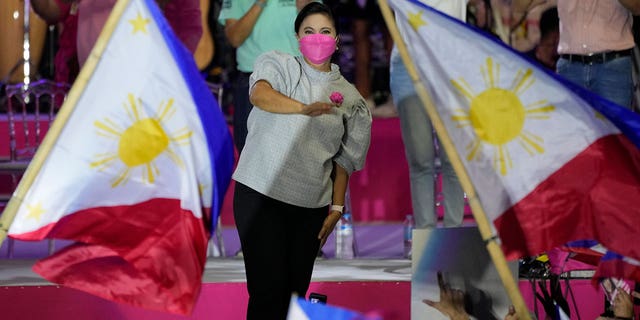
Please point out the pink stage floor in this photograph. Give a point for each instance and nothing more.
(378, 281)
(378, 286)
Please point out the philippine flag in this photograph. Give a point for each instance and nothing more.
(138, 156)
(301, 309)
(551, 162)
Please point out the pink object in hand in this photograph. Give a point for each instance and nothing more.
(336, 97)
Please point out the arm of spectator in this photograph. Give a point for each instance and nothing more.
(301, 3)
(631, 5)
(48, 10)
(520, 8)
(237, 31)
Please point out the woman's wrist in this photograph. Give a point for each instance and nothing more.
(261, 3)
(337, 208)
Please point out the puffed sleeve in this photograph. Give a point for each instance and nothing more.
(355, 142)
(277, 68)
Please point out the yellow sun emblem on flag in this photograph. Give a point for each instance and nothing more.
(141, 142)
(498, 116)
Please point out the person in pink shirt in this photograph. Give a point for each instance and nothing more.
(90, 16)
(183, 16)
(596, 44)
(66, 16)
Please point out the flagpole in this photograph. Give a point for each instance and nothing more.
(62, 117)
(479, 215)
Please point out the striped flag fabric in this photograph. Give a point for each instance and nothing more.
(301, 309)
(137, 173)
(591, 255)
(550, 161)
(613, 265)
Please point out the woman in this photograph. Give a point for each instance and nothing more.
(300, 150)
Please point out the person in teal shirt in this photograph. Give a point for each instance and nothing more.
(254, 27)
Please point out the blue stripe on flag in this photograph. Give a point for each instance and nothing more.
(319, 311)
(586, 244)
(219, 143)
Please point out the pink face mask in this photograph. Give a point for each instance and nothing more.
(317, 47)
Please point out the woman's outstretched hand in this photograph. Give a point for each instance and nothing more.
(317, 108)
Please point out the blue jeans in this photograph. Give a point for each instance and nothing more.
(418, 138)
(611, 80)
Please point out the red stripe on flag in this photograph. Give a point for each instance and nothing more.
(593, 196)
(149, 255)
(617, 268)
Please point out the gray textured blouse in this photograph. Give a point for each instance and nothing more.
(289, 157)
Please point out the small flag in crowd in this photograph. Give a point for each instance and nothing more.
(301, 309)
(551, 162)
(143, 159)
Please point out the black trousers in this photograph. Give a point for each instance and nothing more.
(242, 108)
(279, 244)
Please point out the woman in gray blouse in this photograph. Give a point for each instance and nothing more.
(309, 131)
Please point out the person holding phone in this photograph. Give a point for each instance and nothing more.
(620, 296)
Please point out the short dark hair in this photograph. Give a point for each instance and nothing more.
(313, 8)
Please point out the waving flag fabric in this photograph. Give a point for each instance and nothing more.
(301, 309)
(589, 254)
(618, 266)
(550, 161)
(145, 156)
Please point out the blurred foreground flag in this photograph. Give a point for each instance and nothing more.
(142, 162)
(613, 265)
(551, 162)
(589, 254)
(301, 309)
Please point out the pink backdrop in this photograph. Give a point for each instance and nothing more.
(379, 192)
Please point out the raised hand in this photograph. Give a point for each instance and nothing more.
(451, 302)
